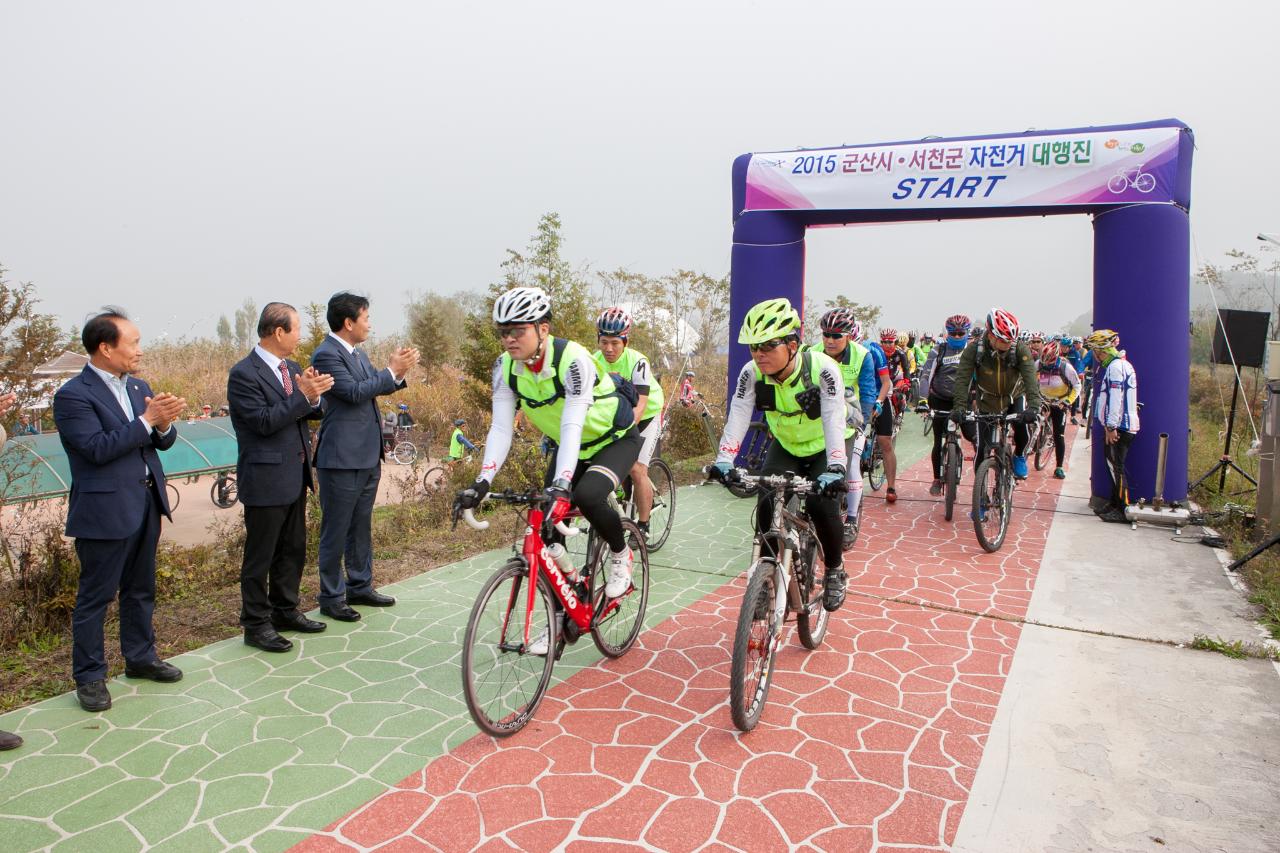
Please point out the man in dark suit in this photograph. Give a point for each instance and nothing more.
(349, 455)
(111, 426)
(272, 398)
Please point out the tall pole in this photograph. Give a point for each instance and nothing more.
(1231, 428)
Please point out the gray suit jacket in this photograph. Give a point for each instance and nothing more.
(350, 432)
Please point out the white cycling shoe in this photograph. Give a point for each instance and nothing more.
(619, 574)
(540, 644)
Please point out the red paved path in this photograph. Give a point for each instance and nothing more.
(870, 743)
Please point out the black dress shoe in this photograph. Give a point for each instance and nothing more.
(341, 612)
(372, 598)
(267, 639)
(93, 696)
(8, 740)
(295, 621)
(156, 670)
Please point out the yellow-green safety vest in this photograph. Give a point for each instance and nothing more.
(543, 398)
(796, 427)
(625, 367)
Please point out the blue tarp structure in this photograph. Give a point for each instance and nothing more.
(34, 467)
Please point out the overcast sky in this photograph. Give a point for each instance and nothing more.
(177, 158)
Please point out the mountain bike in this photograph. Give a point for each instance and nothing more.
(529, 597)
(783, 578)
(438, 477)
(223, 492)
(993, 483)
(662, 515)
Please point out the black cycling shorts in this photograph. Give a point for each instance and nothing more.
(884, 420)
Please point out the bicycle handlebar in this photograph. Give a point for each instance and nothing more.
(468, 515)
(791, 482)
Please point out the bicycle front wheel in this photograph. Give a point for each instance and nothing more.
(502, 682)
(990, 504)
(951, 462)
(813, 618)
(618, 621)
(928, 425)
(405, 452)
(436, 478)
(755, 642)
(1044, 446)
(663, 513)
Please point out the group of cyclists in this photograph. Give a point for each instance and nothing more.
(603, 410)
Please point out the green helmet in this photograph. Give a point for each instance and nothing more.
(773, 318)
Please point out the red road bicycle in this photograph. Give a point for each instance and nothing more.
(530, 602)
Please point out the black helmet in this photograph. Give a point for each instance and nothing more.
(459, 421)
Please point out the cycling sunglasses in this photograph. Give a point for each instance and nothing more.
(501, 332)
(833, 335)
(767, 346)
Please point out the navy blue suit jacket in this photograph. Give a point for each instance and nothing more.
(273, 459)
(351, 431)
(107, 453)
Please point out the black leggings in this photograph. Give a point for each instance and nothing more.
(1058, 417)
(1116, 455)
(823, 512)
(968, 429)
(1020, 434)
(595, 478)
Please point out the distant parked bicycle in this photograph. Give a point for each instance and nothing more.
(223, 492)
(175, 497)
(399, 446)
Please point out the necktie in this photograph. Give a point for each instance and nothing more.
(288, 382)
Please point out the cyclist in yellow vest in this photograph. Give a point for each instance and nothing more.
(802, 396)
(555, 383)
(458, 443)
(614, 356)
(839, 342)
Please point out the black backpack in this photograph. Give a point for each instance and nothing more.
(623, 418)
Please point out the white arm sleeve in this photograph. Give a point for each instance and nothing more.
(498, 444)
(579, 394)
(831, 385)
(1073, 378)
(740, 408)
(640, 376)
(1113, 385)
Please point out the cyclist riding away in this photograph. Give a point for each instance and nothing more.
(458, 443)
(613, 327)
(555, 383)
(404, 420)
(802, 396)
(937, 383)
(1058, 383)
(1002, 369)
(899, 373)
(1116, 408)
(839, 341)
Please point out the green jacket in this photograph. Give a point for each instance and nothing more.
(1001, 377)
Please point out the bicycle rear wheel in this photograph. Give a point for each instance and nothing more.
(620, 620)
(663, 514)
(502, 683)
(875, 474)
(813, 618)
(991, 504)
(951, 462)
(755, 642)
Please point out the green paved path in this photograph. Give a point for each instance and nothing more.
(261, 751)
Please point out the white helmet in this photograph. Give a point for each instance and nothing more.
(522, 305)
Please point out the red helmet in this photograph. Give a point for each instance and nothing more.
(889, 336)
(838, 321)
(958, 323)
(1002, 325)
(1049, 352)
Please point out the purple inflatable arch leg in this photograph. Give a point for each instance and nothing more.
(767, 262)
(1141, 288)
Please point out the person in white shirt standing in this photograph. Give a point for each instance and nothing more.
(1116, 408)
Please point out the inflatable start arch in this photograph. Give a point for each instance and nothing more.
(1134, 180)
